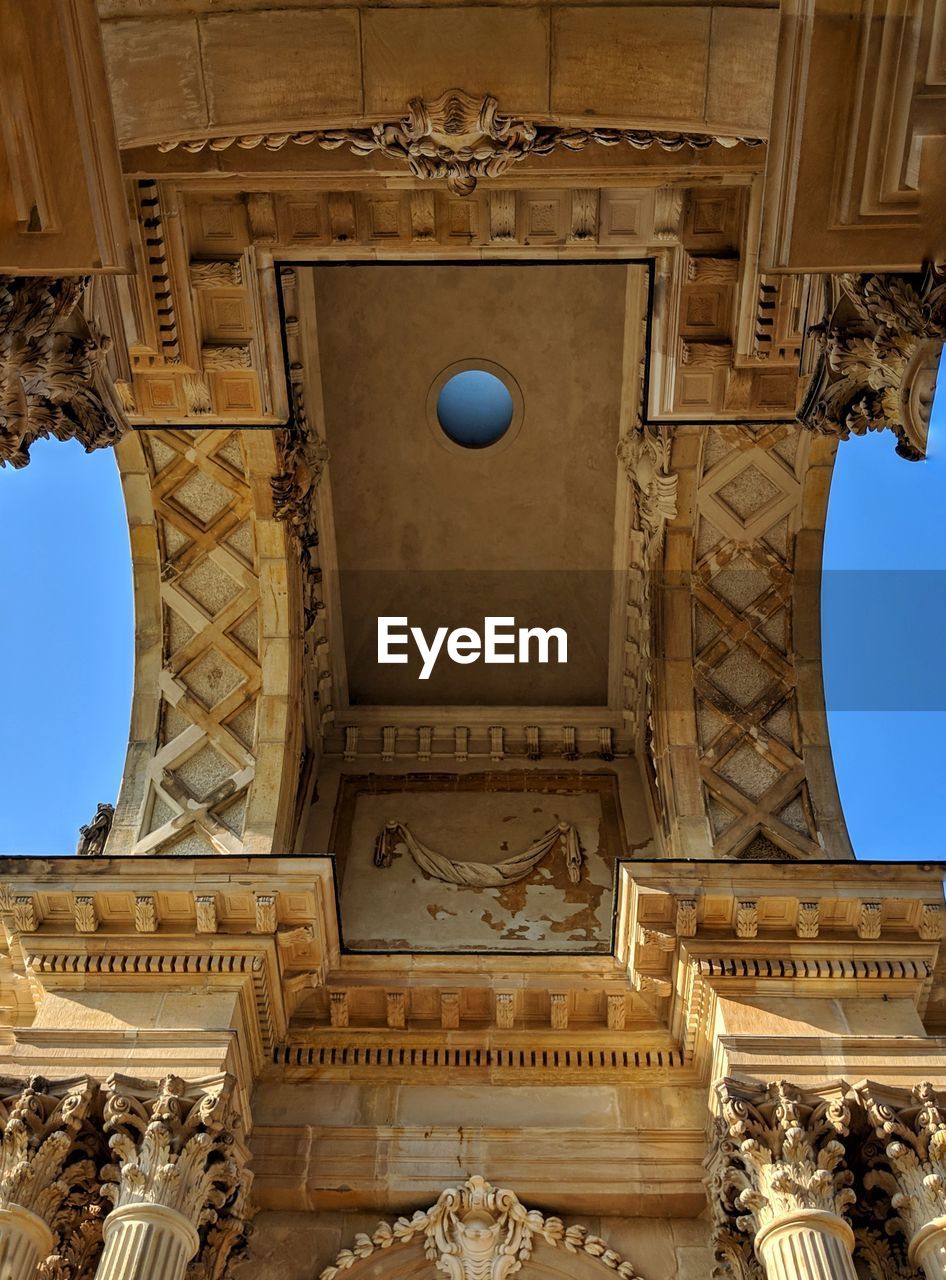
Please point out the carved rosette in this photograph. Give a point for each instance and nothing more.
(880, 344)
(178, 1158)
(910, 1168)
(51, 369)
(459, 138)
(778, 1161)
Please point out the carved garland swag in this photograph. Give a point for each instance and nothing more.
(480, 874)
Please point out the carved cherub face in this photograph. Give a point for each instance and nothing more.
(478, 1232)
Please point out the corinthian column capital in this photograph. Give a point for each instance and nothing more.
(910, 1168)
(880, 343)
(777, 1168)
(41, 1162)
(175, 1144)
(784, 1153)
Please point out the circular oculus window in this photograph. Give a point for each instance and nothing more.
(474, 404)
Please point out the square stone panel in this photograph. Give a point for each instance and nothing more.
(204, 771)
(747, 492)
(748, 771)
(209, 586)
(202, 498)
(211, 678)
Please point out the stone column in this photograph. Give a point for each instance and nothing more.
(179, 1185)
(43, 1165)
(910, 1166)
(777, 1183)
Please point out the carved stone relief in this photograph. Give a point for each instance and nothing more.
(50, 369)
(458, 138)
(479, 1232)
(880, 345)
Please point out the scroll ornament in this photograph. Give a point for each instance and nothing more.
(481, 874)
(479, 1232)
(460, 138)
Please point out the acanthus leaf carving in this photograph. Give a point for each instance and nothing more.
(911, 1167)
(175, 1144)
(777, 1151)
(460, 138)
(41, 1162)
(50, 363)
(880, 344)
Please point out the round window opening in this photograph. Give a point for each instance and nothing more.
(475, 408)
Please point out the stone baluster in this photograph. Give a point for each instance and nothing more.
(179, 1183)
(910, 1166)
(44, 1167)
(777, 1183)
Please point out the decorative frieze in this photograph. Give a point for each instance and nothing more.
(458, 139)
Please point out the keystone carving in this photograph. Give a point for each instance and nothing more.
(478, 1232)
(880, 345)
(911, 1128)
(777, 1151)
(174, 1145)
(459, 138)
(50, 358)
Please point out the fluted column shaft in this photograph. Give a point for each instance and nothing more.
(146, 1242)
(808, 1245)
(25, 1240)
(928, 1249)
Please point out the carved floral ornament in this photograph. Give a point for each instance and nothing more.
(880, 346)
(51, 367)
(173, 1144)
(479, 1232)
(459, 138)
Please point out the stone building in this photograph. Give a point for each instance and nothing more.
(557, 969)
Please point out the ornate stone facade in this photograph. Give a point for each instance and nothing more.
(569, 974)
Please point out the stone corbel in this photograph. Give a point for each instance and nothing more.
(879, 346)
(52, 380)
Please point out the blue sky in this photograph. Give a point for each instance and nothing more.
(66, 645)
